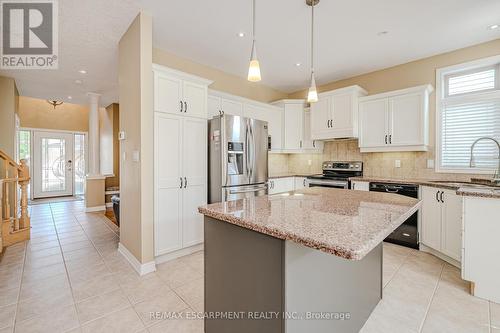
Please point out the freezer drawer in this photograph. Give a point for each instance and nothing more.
(241, 192)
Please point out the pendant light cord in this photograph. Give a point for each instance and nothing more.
(312, 37)
(253, 23)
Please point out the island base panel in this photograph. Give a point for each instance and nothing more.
(319, 284)
(243, 273)
(251, 272)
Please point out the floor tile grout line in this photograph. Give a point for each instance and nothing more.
(490, 327)
(20, 286)
(65, 267)
(431, 299)
(397, 270)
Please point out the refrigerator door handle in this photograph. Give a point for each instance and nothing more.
(255, 189)
(252, 164)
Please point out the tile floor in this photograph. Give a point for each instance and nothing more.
(70, 278)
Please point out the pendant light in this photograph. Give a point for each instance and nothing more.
(254, 68)
(312, 95)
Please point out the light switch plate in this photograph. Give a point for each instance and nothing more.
(309, 162)
(430, 164)
(121, 135)
(397, 163)
(136, 156)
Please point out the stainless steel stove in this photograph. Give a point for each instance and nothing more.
(336, 174)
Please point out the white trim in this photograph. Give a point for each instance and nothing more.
(109, 205)
(221, 94)
(95, 209)
(426, 249)
(181, 75)
(353, 88)
(179, 253)
(440, 74)
(418, 89)
(111, 192)
(95, 177)
(141, 269)
(51, 130)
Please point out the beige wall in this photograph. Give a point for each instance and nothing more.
(37, 113)
(136, 119)
(225, 82)
(8, 104)
(413, 164)
(94, 193)
(113, 111)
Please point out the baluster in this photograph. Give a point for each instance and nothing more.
(24, 175)
(14, 189)
(1, 216)
(6, 206)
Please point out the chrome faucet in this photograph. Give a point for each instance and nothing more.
(496, 176)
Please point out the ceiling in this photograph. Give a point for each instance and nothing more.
(347, 38)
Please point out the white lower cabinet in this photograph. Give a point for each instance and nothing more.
(281, 185)
(442, 221)
(360, 186)
(300, 183)
(180, 181)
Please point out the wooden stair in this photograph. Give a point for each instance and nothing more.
(14, 216)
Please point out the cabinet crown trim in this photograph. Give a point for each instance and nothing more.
(354, 88)
(289, 101)
(181, 75)
(221, 94)
(426, 88)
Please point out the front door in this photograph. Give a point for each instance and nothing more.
(52, 164)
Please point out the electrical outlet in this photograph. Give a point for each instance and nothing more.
(397, 163)
(309, 162)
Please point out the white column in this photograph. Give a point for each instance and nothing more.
(93, 137)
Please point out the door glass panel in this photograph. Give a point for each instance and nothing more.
(80, 164)
(53, 165)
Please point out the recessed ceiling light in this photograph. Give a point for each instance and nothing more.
(78, 81)
(69, 97)
(493, 26)
(241, 34)
(82, 71)
(298, 64)
(382, 33)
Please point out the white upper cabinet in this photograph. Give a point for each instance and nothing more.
(297, 127)
(395, 121)
(219, 102)
(273, 116)
(335, 115)
(179, 93)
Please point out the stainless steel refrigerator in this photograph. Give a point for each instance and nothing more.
(237, 155)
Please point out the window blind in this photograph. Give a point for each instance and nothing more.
(472, 82)
(464, 122)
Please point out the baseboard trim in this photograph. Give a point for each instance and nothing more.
(451, 261)
(179, 253)
(141, 269)
(95, 209)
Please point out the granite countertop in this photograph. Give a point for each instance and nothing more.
(289, 174)
(488, 191)
(346, 223)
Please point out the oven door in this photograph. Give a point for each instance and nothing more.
(328, 183)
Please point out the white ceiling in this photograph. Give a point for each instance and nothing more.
(206, 32)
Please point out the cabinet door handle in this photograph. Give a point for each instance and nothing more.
(437, 194)
(328, 123)
(300, 143)
(185, 106)
(314, 143)
(386, 139)
(390, 139)
(181, 182)
(185, 182)
(304, 182)
(181, 106)
(441, 196)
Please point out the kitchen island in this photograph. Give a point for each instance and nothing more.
(304, 261)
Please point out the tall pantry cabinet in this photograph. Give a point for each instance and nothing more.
(180, 150)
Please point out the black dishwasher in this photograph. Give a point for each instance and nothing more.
(407, 233)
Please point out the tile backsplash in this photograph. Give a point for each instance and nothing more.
(413, 164)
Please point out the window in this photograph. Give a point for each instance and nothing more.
(468, 108)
